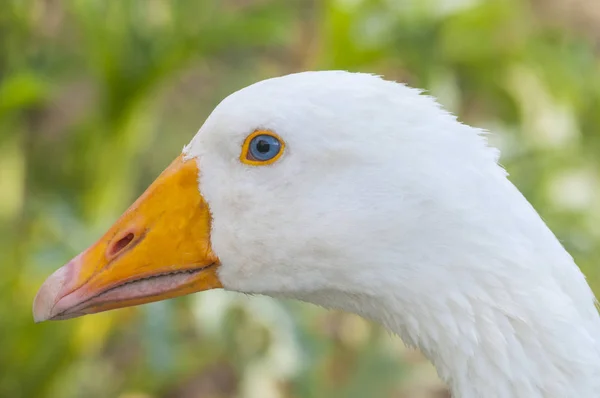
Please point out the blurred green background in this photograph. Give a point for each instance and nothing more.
(98, 96)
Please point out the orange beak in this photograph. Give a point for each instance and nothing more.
(159, 249)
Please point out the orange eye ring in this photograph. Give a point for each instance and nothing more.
(261, 148)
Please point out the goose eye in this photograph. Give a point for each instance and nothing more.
(262, 147)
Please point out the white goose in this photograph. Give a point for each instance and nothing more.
(356, 193)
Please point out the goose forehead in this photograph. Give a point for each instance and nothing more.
(323, 106)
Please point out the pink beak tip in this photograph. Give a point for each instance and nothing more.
(49, 293)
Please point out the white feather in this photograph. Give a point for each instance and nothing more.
(384, 205)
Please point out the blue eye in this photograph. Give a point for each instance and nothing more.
(263, 148)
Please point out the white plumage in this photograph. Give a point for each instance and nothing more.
(384, 205)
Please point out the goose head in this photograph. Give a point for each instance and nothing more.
(356, 193)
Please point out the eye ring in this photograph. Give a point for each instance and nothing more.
(262, 147)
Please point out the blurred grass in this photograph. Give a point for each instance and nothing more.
(97, 97)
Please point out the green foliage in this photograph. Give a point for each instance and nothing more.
(96, 98)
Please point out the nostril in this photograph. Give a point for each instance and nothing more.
(121, 244)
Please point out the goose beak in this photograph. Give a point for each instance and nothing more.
(159, 249)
